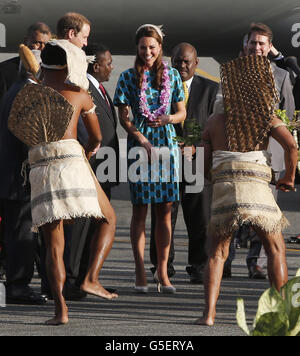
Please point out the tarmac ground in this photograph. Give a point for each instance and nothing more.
(152, 315)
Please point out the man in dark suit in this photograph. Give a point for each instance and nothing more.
(37, 36)
(98, 72)
(11, 71)
(20, 241)
(200, 96)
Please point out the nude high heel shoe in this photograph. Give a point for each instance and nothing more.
(163, 289)
(141, 289)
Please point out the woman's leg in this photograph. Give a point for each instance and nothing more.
(219, 251)
(138, 241)
(163, 234)
(54, 239)
(276, 252)
(101, 245)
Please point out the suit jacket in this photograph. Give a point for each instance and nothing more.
(108, 123)
(285, 90)
(199, 106)
(200, 103)
(8, 74)
(12, 152)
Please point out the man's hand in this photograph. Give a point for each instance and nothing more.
(286, 185)
(187, 151)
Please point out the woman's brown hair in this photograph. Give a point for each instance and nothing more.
(157, 68)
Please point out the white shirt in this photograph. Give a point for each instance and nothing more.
(189, 83)
(95, 83)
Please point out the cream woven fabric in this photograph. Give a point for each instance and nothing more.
(241, 194)
(63, 185)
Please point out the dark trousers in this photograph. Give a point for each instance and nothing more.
(195, 212)
(20, 242)
(2, 249)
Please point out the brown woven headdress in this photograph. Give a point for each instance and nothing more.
(250, 98)
(28, 59)
(39, 114)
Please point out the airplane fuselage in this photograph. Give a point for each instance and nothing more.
(214, 27)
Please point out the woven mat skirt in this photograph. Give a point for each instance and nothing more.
(63, 185)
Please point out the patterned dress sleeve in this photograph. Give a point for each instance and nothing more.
(122, 93)
(178, 92)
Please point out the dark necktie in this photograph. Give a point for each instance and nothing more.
(103, 91)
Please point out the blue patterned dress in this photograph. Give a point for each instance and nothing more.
(158, 182)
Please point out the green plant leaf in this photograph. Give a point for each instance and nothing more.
(241, 316)
(193, 133)
(296, 330)
(270, 324)
(270, 302)
(291, 299)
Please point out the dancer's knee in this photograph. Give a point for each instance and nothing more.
(274, 244)
(111, 218)
(218, 248)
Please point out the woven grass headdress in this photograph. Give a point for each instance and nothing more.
(250, 98)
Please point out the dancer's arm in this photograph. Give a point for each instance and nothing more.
(282, 135)
(127, 124)
(91, 123)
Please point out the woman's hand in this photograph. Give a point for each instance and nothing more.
(160, 121)
(147, 145)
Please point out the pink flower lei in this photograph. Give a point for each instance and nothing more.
(164, 96)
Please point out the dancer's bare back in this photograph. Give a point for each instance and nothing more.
(83, 106)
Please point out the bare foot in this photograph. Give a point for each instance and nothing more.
(57, 321)
(205, 320)
(97, 290)
(61, 317)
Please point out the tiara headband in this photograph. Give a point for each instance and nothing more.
(158, 29)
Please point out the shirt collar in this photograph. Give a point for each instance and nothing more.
(189, 83)
(93, 80)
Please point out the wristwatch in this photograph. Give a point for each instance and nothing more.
(278, 56)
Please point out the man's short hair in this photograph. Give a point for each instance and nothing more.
(95, 49)
(262, 29)
(38, 26)
(184, 45)
(71, 21)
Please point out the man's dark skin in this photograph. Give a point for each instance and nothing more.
(185, 60)
(54, 232)
(103, 67)
(214, 139)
